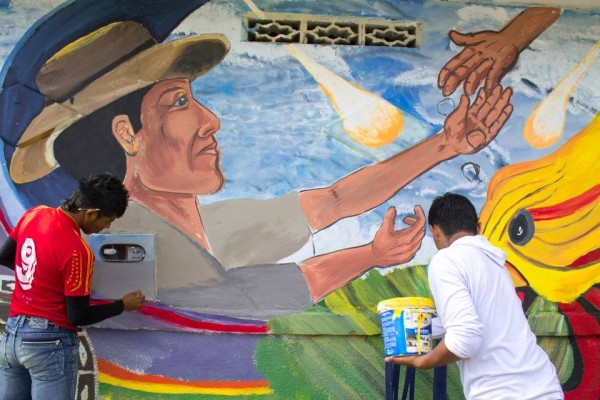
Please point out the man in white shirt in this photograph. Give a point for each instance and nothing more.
(486, 331)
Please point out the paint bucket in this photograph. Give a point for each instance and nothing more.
(406, 325)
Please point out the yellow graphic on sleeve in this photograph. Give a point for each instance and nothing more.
(545, 215)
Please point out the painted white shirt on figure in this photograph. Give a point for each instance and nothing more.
(485, 325)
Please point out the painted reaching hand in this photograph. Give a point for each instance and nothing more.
(391, 246)
(469, 129)
(487, 56)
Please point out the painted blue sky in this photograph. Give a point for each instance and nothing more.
(280, 133)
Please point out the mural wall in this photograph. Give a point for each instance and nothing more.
(281, 157)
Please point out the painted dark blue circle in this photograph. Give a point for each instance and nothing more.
(521, 228)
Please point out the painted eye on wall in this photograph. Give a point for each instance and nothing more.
(521, 228)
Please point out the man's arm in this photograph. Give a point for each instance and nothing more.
(452, 297)
(467, 129)
(80, 312)
(438, 357)
(8, 252)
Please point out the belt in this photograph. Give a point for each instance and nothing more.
(7, 331)
(50, 323)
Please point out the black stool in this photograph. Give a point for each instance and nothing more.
(392, 378)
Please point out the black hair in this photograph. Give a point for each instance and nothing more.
(88, 147)
(453, 213)
(104, 192)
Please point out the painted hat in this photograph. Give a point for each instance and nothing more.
(96, 70)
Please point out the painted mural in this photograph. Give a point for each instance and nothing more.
(282, 188)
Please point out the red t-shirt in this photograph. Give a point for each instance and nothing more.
(52, 262)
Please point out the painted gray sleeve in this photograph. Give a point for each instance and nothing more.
(277, 289)
(254, 291)
(248, 232)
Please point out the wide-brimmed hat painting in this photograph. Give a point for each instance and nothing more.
(97, 69)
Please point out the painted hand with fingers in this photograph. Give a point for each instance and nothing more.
(469, 128)
(487, 56)
(391, 246)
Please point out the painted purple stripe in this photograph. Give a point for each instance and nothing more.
(180, 355)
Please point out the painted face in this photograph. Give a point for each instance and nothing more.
(178, 150)
(94, 222)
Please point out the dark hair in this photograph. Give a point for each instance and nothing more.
(105, 192)
(88, 147)
(453, 213)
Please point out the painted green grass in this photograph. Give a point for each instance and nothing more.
(334, 350)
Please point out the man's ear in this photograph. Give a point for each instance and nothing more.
(123, 132)
(434, 230)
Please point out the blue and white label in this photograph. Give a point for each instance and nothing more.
(406, 332)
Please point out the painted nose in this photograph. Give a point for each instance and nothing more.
(209, 123)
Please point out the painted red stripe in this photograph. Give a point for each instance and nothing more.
(4, 223)
(566, 207)
(593, 296)
(588, 347)
(583, 323)
(180, 320)
(586, 259)
(119, 372)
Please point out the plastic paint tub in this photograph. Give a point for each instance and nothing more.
(406, 325)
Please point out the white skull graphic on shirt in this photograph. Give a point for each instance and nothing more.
(26, 269)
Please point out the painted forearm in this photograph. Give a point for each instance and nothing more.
(328, 272)
(372, 185)
(529, 24)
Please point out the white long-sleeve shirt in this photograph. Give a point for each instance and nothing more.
(486, 327)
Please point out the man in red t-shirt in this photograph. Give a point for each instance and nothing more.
(53, 272)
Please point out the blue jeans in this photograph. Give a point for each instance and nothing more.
(38, 360)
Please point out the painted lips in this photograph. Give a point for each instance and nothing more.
(211, 148)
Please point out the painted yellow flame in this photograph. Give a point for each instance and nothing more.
(546, 124)
(570, 171)
(366, 117)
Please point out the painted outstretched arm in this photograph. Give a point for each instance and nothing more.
(467, 130)
(489, 55)
(328, 272)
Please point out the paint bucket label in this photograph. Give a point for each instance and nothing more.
(406, 325)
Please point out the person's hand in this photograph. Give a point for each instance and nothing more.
(407, 361)
(133, 300)
(468, 129)
(391, 246)
(487, 56)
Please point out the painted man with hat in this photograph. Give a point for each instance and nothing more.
(131, 97)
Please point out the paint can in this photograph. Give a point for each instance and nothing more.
(406, 325)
